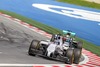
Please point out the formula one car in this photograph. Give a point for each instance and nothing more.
(57, 48)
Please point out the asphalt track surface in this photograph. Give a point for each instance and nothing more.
(15, 52)
(7, 33)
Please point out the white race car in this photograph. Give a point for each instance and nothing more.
(68, 52)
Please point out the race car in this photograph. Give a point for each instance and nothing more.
(57, 48)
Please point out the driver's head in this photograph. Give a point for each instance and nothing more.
(59, 37)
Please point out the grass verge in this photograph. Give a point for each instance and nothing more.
(87, 45)
(82, 3)
(44, 27)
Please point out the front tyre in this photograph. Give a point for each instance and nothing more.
(69, 54)
(34, 46)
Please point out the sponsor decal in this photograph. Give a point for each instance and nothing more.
(71, 12)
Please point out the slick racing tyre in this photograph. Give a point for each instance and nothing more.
(53, 38)
(70, 56)
(79, 45)
(34, 46)
(77, 55)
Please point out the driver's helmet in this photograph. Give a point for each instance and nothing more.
(68, 34)
(57, 36)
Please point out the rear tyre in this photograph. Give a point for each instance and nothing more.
(79, 45)
(69, 54)
(33, 47)
(46, 53)
(52, 39)
(77, 55)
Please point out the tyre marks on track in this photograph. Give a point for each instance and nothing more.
(94, 60)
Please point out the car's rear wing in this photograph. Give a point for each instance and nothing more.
(72, 33)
